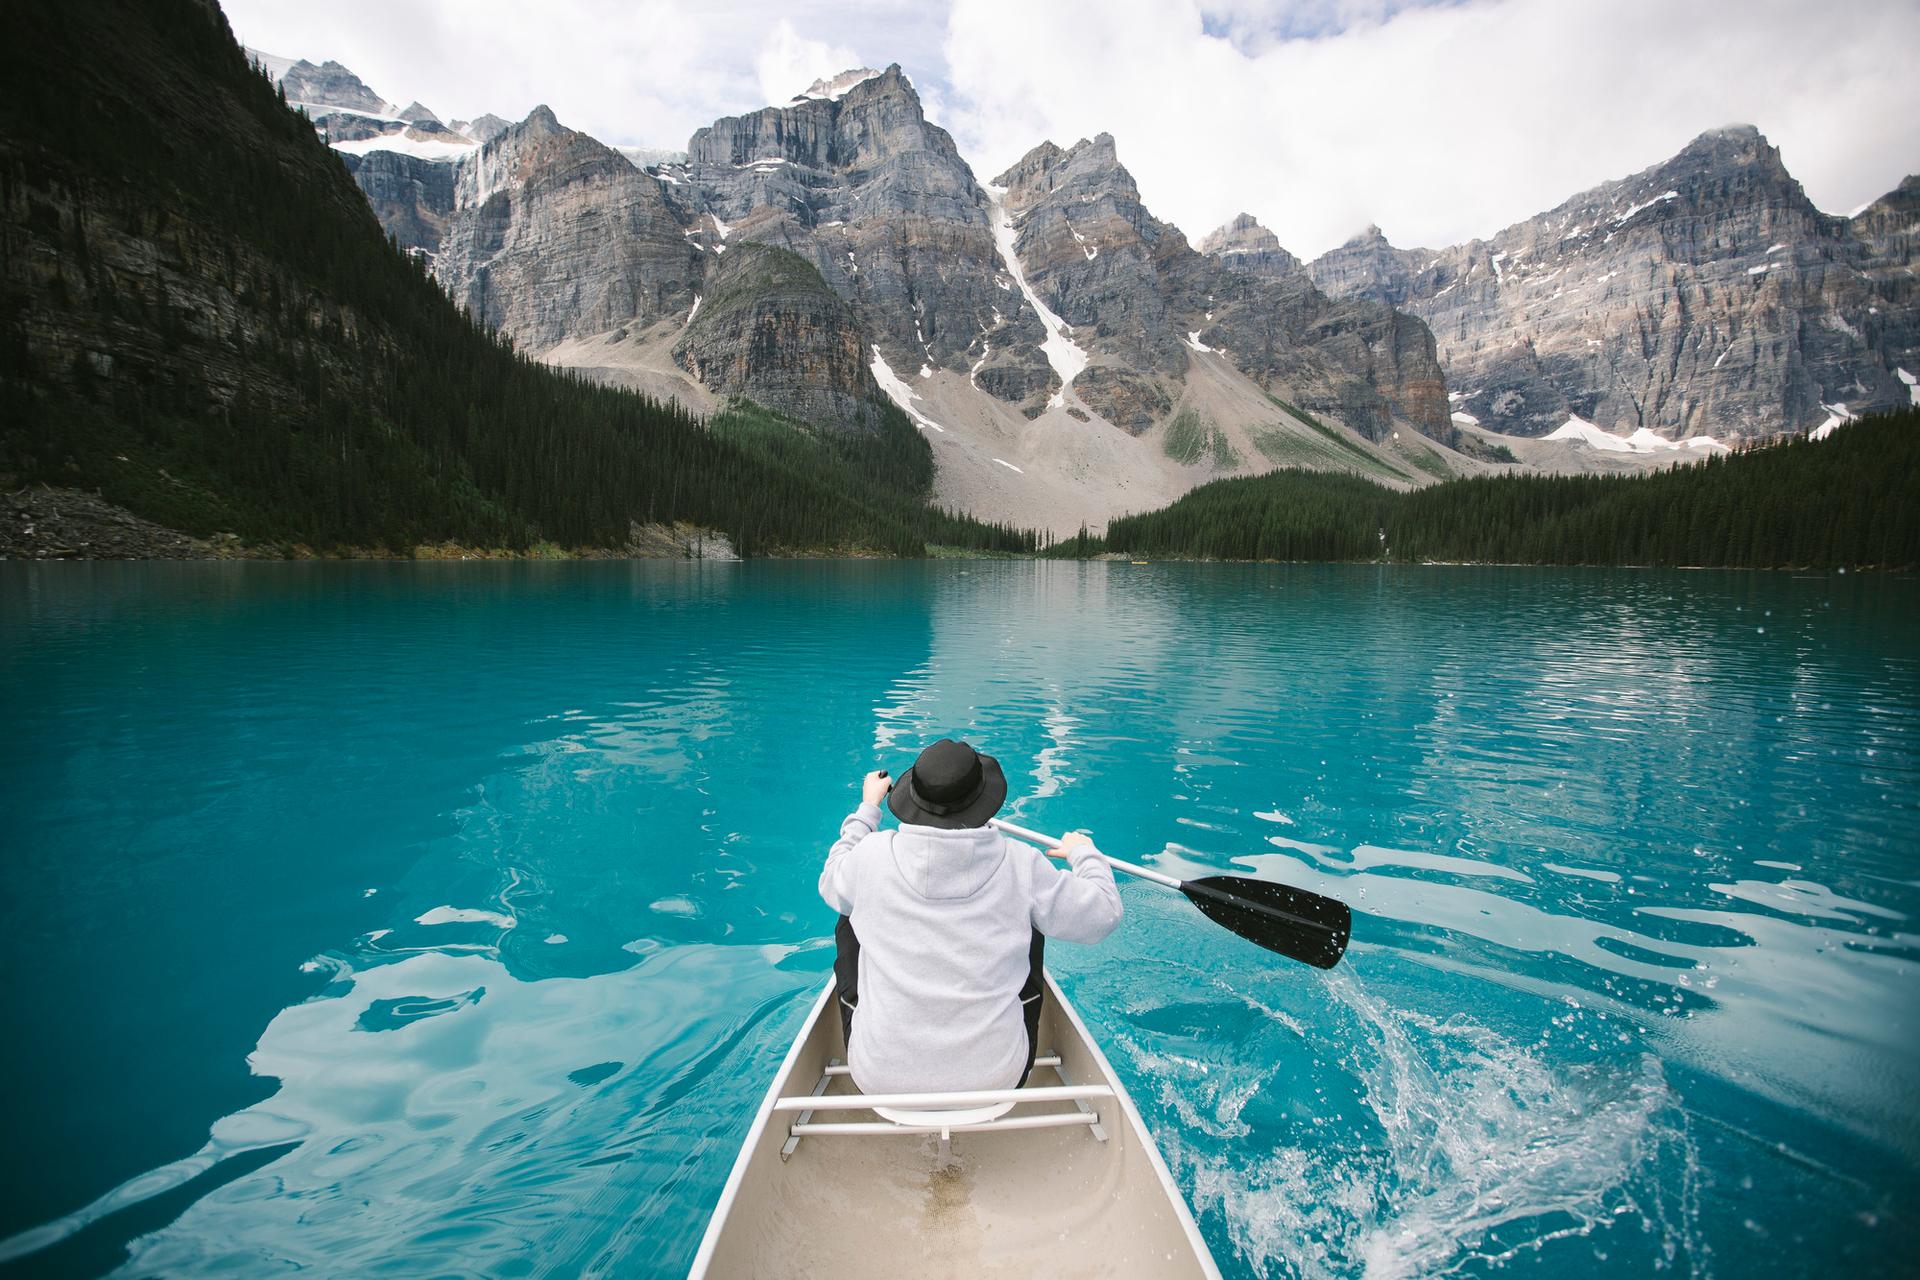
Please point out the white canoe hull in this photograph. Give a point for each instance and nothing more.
(1057, 1202)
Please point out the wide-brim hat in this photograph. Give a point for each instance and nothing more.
(950, 785)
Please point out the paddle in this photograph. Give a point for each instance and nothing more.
(1297, 923)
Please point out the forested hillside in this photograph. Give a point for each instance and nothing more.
(203, 320)
(1852, 499)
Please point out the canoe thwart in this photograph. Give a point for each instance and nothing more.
(872, 1129)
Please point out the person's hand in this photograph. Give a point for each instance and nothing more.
(1069, 841)
(874, 787)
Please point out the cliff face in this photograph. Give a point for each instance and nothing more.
(553, 234)
(770, 329)
(1704, 296)
(1144, 300)
(412, 197)
(1889, 232)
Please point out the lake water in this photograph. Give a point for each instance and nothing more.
(451, 919)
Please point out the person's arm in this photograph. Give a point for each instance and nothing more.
(1081, 905)
(836, 878)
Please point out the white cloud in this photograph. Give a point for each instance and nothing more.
(644, 72)
(789, 63)
(1439, 123)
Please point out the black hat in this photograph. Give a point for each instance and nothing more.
(950, 785)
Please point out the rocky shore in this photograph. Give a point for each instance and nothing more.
(44, 523)
(41, 522)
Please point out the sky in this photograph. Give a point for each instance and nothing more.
(1438, 120)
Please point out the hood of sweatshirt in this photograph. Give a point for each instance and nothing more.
(938, 862)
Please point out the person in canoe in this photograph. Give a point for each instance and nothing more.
(942, 927)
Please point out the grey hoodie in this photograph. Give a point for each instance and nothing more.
(945, 921)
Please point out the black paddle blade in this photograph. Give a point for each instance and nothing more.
(1305, 926)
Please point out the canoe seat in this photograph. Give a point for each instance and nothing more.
(945, 1120)
(945, 1114)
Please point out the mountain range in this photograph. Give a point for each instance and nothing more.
(355, 325)
(1072, 357)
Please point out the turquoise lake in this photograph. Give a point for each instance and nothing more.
(451, 919)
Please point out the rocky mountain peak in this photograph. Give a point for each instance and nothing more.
(482, 127)
(1897, 212)
(555, 234)
(1731, 139)
(1366, 265)
(1242, 235)
(860, 184)
(1705, 295)
(1248, 246)
(1729, 148)
(538, 148)
(331, 85)
(416, 113)
(541, 119)
(873, 120)
(1089, 169)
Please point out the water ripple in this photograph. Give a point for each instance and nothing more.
(447, 918)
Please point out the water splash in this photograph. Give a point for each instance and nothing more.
(1427, 1146)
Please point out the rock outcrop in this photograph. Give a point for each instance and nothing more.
(768, 328)
(554, 234)
(1704, 296)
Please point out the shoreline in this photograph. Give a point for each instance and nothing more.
(46, 524)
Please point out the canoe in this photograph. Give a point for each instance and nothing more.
(1057, 1179)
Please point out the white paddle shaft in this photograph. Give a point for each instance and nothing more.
(1050, 842)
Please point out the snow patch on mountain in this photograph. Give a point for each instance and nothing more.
(832, 90)
(1580, 431)
(437, 148)
(655, 158)
(1633, 209)
(1066, 357)
(1838, 415)
(1645, 440)
(899, 392)
(277, 66)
